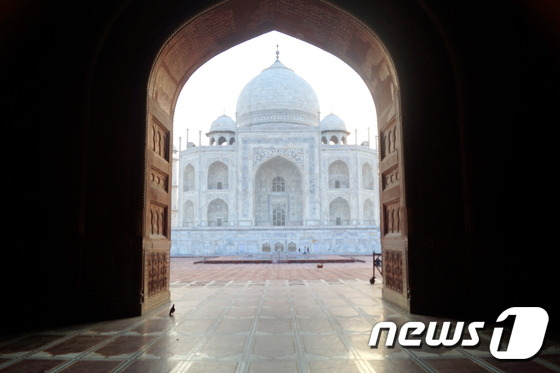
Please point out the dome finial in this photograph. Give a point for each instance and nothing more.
(277, 52)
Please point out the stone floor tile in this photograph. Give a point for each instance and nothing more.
(220, 346)
(325, 345)
(274, 302)
(338, 366)
(153, 365)
(360, 343)
(92, 366)
(72, 346)
(276, 312)
(32, 366)
(396, 366)
(206, 313)
(225, 300)
(273, 366)
(314, 311)
(154, 326)
(344, 311)
(26, 344)
(334, 302)
(234, 326)
(247, 302)
(315, 325)
(194, 327)
(274, 325)
(255, 318)
(172, 345)
(354, 324)
(113, 326)
(274, 346)
(362, 301)
(305, 302)
(208, 366)
(456, 365)
(123, 346)
(242, 312)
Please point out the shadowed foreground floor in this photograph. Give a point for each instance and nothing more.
(255, 318)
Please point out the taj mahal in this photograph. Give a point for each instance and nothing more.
(277, 180)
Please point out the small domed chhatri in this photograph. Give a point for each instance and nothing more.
(222, 131)
(333, 130)
(277, 95)
(278, 181)
(332, 122)
(223, 124)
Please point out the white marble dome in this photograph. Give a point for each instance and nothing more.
(278, 96)
(223, 124)
(332, 122)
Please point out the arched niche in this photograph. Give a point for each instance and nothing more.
(278, 196)
(218, 176)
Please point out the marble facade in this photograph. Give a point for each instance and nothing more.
(279, 180)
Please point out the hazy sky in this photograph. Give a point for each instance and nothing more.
(214, 88)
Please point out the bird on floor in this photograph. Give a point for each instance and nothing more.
(172, 310)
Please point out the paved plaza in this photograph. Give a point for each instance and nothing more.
(255, 318)
(186, 270)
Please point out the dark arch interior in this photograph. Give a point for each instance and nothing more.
(478, 94)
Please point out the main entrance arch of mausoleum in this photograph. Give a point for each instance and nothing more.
(227, 24)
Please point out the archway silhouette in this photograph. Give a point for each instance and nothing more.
(198, 40)
(471, 116)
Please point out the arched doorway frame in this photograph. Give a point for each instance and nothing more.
(257, 169)
(318, 23)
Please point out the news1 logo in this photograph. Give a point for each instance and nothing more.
(527, 334)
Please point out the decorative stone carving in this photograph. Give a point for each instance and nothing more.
(159, 180)
(388, 141)
(158, 221)
(391, 179)
(158, 277)
(159, 139)
(393, 270)
(262, 154)
(392, 216)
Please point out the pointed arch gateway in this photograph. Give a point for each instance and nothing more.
(325, 26)
(278, 193)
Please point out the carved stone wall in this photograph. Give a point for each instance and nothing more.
(158, 274)
(159, 179)
(392, 216)
(388, 140)
(262, 154)
(393, 270)
(159, 139)
(158, 221)
(390, 179)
